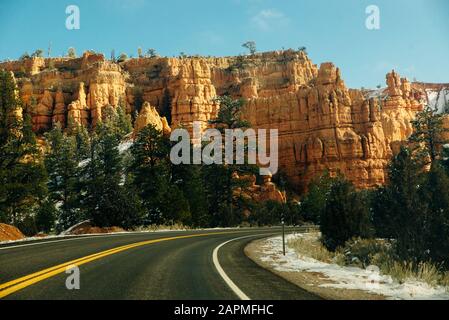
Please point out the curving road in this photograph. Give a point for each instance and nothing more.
(144, 266)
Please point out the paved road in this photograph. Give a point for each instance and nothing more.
(173, 265)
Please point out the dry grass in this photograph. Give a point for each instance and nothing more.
(424, 271)
(309, 245)
(376, 252)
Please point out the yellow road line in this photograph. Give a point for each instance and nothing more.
(26, 281)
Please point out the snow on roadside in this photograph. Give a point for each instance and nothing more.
(350, 278)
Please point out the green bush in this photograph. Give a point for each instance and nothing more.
(364, 252)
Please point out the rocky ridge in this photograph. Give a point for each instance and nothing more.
(323, 125)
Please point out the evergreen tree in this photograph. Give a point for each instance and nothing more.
(345, 215)
(230, 114)
(314, 202)
(46, 217)
(71, 53)
(107, 201)
(124, 123)
(221, 181)
(404, 211)
(62, 167)
(175, 207)
(436, 224)
(189, 180)
(251, 46)
(22, 174)
(82, 140)
(150, 171)
(269, 213)
(428, 133)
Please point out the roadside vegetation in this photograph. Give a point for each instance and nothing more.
(402, 227)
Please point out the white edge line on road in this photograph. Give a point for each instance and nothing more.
(229, 282)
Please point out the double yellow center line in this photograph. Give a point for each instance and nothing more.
(18, 284)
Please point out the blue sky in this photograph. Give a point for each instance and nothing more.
(413, 38)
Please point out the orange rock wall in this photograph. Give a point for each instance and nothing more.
(322, 124)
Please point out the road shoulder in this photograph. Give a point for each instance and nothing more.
(309, 281)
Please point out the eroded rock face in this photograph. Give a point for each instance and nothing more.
(322, 124)
(68, 90)
(148, 115)
(267, 191)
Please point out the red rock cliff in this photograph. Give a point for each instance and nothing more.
(323, 125)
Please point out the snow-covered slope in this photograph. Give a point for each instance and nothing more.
(438, 99)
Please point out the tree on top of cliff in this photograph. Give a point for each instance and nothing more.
(151, 53)
(122, 58)
(71, 53)
(38, 53)
(24, 56)
(428, 134)
(251, 46)
(303, 49)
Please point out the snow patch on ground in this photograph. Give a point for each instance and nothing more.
(122, 147)
(125, 146)
(351, 278)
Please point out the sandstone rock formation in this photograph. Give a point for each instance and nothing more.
(268, 191)
(322, 124)
(149, 115)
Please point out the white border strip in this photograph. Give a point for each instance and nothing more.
(229, 282)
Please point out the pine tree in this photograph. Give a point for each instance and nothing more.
(175, 207)
(22, 174)
(221, 181)
(124, 123)
(436, 223)
(62, 167)
(314, 202)
(107, 200)
(404, 206)
(345, 215)
(150, 171)
(230, 114)
(46, 217)
(428, 133)
(82, 140)
(189, 180)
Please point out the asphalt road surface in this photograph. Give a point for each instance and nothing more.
(144, 266)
